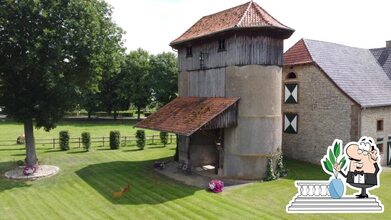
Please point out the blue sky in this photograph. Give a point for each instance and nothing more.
(153, 24)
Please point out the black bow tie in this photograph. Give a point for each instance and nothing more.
(358, 172)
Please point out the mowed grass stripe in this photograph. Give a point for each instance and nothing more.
(171, 193)
(111, 186)
(89, 194)
(71, 196)
(108, 185)
(87, 180)
(28, 204)
(174, 210)
(63, 201)
(207, 200)
(48, 200)
(212, 200)
(11, 202)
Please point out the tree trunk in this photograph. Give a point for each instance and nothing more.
(89, 115)
(138, 113)
(31, 156)
(115, 114)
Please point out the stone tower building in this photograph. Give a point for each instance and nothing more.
(228, 113)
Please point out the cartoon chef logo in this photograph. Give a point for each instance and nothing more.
(364, 169)
(358, 165)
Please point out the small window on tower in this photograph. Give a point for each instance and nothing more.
(189, 51)
(379, 125)
(291, 75)
(221, 45)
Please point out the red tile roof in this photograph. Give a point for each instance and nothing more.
(297, 54)
(248, 15)
(186, 115)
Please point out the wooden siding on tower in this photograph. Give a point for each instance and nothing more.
(240, 50)
(207, 83)
(227, 119)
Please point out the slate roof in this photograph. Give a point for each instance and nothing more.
(248, 15)
(383, 56)
(186, 115)
(354, 70)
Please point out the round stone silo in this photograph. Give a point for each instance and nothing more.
(259, 131)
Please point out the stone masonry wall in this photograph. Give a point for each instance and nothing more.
(324, 113)
(369, 119)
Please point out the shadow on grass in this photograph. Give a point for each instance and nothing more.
(131, 150)
(159, 147)
(6, 184)
(146, 185)
(10, 149)
(100, 149)
(77, 152)
(298, 170)
(16, 155)
(53, 151)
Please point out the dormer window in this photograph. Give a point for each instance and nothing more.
(189, 51)
(221, 45)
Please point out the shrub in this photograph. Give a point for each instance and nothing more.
(270, 173)
(281, 170)
(64, 140)
(20, 163)
(86, 140)
(164, 138)
(127, 114)
(114, 140)
(140, 136)
(21, 139)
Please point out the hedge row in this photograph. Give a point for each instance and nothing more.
(115, 139)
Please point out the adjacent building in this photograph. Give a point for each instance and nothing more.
(335, 91)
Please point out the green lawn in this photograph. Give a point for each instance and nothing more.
(11, 130)
(83, 188)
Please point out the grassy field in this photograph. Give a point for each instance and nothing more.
(83, 188)
(11, 130)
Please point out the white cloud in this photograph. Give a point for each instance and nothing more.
(153, 24)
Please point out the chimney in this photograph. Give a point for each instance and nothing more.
(388, 44)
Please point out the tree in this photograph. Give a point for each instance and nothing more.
(164, 77)
(90, 101)
(51, 51)
(114, 93)
(136, 68)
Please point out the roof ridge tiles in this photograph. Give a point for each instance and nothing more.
(244, 14)
(248, 15)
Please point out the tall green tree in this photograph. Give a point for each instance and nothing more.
(164, 77)
(136, 70)
(114, 93)
(51, 51)
(90, 101)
